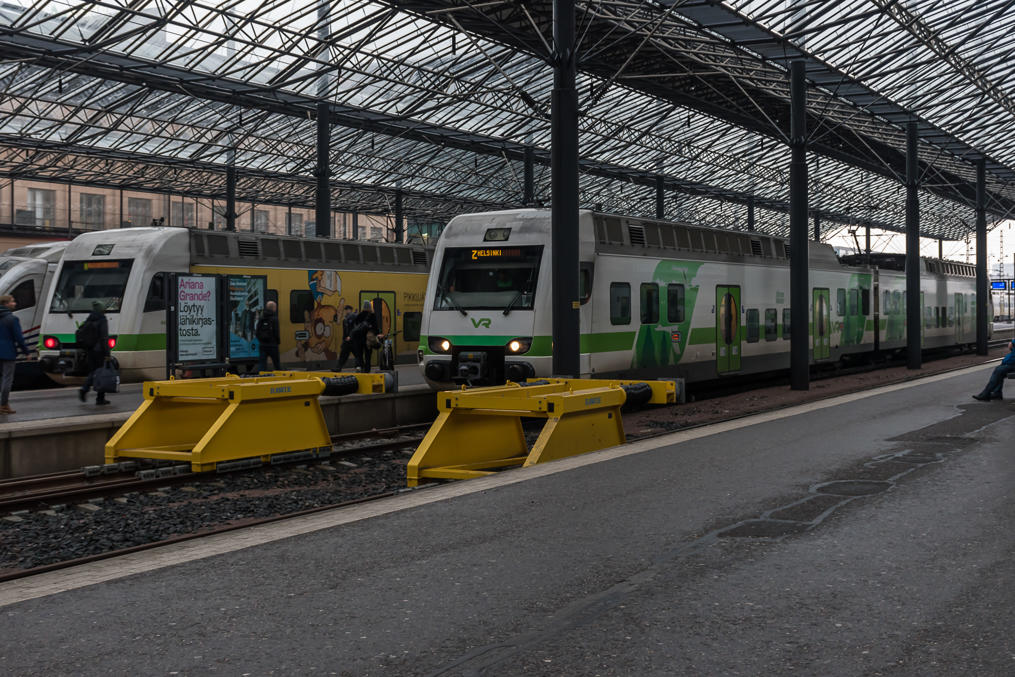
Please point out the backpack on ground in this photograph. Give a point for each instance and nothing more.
(87, 335)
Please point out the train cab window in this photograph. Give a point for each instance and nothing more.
(411, 324)
(753, 328)
(649, 303)
(785, 323)
(865, 301)
(83, 283)
(584, 282)
(771, 324)
(674, 303)
(156, 297)
(840, 302)
(301, 304)
(620, 303)
(24, 294)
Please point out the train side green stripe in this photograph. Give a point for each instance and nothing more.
(127, 341)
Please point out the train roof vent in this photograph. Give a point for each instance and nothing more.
(652, 235)
(419, 257)
(369, 253)
(667, 236)
(291, 249)
(756, 249)
(387, 255)
(637, 235)
(197, 244)
(248, 248)
(350, 253)
(218, 245)
(270, 248)
(332, 252)
(786, 249)
(312, 250)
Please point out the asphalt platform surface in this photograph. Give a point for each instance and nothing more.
(864, 535)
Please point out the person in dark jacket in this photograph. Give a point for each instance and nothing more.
(348, 324)
(96, 353)
(366, 322)
(268, 337)
(995, 386)
(11, 341)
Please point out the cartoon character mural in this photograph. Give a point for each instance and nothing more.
(323, 323)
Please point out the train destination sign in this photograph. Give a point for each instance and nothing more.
(496, 254)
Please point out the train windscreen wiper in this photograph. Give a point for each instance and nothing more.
(516, 299)
(449, 299)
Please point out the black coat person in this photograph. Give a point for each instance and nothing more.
(268, 338)
(366, 323)
(93, 339)
(348, 347)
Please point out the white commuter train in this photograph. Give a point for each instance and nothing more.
(665, 299)
(311, 280)
(26, 273)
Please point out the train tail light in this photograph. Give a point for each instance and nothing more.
(111, 341)
(50, 342)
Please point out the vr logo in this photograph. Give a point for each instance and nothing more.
(481, 322)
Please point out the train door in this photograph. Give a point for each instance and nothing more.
(727, 329)
(386, 314)
(821, 330)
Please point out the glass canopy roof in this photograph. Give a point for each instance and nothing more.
(443, 99)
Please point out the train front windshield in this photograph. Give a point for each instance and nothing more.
(488, 278)
(82, 283)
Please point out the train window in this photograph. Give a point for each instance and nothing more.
(24, 294)
(951, 316)
(753, 330)
(584, 282)
(852, 305)
(771, 324)
(886, 303)
(649, 303)
(83, 283)
(928, 318)
(785, 323)
(620, 303)
(411, 324)
(301, 304)
(156, 298)
(865, 301)
(674, 303)
(840, 302)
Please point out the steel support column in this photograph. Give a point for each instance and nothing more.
(799, 285)
(231, 198)
(914, 308)
(660, 197)
(564, 180)
(399, 229)
(817, 226)
(322, 196)
(529, 189)
(355, 225)
(750, 214)
(982, 291)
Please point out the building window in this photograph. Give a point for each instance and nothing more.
(293, 224)
(649, 303)
(42, 206)
(139, 211)
(93, 209)
(182, 214)
(261, 220)
(620, 303)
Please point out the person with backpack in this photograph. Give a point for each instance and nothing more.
(11, 341)
(348, 348)
(364, 336)
(93, 338)
(268, 337)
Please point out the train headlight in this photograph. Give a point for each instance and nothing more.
(519, 346)
(440, 345)
(50, 342)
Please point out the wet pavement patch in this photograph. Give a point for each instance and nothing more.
(853, 487)
(761, 528)
(806, 510)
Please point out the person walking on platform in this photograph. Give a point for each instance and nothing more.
(93, 338)
(268, 337)
(348, 325)
(995, 386)
(364, 336)
(11, 341)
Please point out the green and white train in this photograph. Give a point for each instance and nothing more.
(663, 299)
